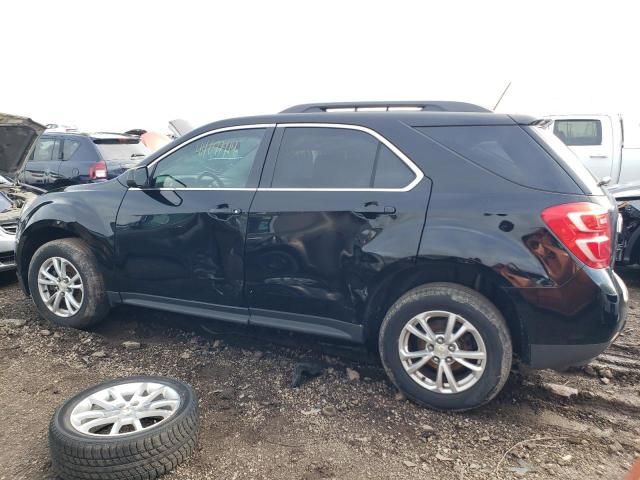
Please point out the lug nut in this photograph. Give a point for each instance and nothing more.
(436, 359)
(431, 347)
(449, 359)
(440, 340)
(452, 348)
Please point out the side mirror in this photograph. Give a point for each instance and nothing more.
(137, 177)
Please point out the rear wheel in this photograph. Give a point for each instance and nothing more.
(446, 347)
(66, 285)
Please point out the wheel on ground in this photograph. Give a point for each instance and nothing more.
(66, 284)
(128, 429)
(446, 347)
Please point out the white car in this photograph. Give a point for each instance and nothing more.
(17, 136)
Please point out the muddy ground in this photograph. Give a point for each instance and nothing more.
(254, 425)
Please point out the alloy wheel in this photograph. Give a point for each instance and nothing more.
(124, 409)
(442, 352)
(60, 286)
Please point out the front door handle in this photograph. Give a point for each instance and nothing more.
(224, 208)
(598, 156)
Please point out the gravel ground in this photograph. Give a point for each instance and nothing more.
(255, 425)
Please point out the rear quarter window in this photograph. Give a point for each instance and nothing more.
(507, 151)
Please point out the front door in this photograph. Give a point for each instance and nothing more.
(41, 170)
(182, 238)
(337, 207)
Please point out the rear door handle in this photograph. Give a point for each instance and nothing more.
(374, 207)
(598, 156)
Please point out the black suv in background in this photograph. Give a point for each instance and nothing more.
(63, 159)
(449, 237)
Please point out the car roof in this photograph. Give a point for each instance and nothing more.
(95, 135)
(375, 119)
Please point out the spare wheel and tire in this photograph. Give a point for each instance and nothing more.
(131, 428)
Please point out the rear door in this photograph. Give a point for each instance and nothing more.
(337, 206)
(73, 164)
(591, 139)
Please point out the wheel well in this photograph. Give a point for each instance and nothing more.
(478, 278)
(34, 242)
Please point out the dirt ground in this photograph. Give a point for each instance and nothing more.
(255, 425)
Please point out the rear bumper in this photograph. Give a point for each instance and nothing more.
(562, 356)
(570, 325)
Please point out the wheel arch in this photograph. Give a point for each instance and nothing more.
(34, 238)
(477, 277)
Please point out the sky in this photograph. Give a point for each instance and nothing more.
(115, 65)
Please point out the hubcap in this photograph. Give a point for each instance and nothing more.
(60, 286)
(123, 409)
(442, 352)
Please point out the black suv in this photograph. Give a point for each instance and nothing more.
(62, 159)
(449, 237)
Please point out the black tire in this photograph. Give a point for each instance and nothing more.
(143, 455)
(95, 305)
(477, 310)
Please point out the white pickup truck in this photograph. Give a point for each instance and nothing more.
(609, 145)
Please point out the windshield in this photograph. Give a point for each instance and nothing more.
(122, 151)
(568, 159)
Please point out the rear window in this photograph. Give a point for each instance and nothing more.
(568, 158)
(579, 132)
(118, 149)
(507, 151)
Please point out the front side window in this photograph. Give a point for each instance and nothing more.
(219, 160)
(43, 150)
(579, 132)
(324, 157)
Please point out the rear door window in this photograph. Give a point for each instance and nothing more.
(337, 158)
(507, 151)
(579, 132)
(69, 147)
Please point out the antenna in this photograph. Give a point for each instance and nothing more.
(503, 93)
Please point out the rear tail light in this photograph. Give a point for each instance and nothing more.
(98, 170)
(584, 229)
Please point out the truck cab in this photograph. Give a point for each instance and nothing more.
(607, 144)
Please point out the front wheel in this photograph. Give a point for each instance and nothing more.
(446, 347)
(66, 285)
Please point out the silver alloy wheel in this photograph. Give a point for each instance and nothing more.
(60, 286)
(442, 352)
(125, 409)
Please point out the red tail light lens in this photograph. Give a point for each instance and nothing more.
(98, 170)
(584, 229)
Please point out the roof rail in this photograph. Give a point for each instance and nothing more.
(395, 106)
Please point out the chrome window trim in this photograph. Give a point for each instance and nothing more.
(419, 175)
